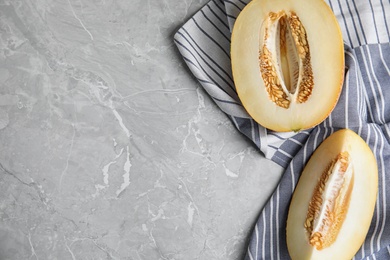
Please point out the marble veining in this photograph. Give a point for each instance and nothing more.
(110, 149)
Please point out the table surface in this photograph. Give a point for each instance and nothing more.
(110, 149)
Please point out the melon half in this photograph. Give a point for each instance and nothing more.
(333, 203)
(288, 62)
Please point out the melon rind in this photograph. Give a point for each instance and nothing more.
(362, 202)
(327, 56)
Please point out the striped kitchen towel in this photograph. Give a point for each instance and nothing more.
(364, 107)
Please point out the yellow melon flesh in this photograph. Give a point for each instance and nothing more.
(340, 184)
(303, 42)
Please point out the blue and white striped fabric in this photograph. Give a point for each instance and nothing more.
(364, 107)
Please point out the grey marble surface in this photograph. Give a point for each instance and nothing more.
(109, 147)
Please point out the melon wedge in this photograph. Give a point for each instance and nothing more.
(287, 59)
(333, 203)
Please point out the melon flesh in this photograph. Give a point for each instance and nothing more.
(267, 26)
(353, 199)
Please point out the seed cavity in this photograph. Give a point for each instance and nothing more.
(284, 60)
(329, 204)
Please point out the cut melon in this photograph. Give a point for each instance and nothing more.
(333, 203)
(288, 62)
